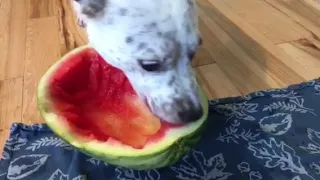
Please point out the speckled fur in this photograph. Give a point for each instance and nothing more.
(126, 32)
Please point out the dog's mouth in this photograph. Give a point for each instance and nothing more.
(177, 112)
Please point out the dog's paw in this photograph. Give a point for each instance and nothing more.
(81, 22)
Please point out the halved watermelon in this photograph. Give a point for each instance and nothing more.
(93, 107)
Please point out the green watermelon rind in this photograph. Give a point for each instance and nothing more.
(167, 157)
(166, 154)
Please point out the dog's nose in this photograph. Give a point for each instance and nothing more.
(190, 115)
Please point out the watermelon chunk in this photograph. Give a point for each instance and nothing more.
(93, 106)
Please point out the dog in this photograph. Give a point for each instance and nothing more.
(153, 42)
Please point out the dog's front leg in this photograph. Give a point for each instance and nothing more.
(81, 22)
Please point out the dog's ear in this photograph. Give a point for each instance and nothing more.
(91, 8)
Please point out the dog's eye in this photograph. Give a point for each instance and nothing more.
(150, 65)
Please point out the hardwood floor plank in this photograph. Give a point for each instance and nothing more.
(308, 47)
(312, 5)
(276, 26)
(10, 102)
(218, 83)
(243, 71)
(17, 40)
(4, 135)
(306, 54)
(202, 83)
(41, 8)
(43, 49)
(5, 12)
(203, 56)
(299, 12)
(256, 45)
(71, 35)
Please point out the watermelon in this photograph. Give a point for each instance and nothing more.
(93, 107)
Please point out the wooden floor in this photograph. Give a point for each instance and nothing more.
(249, 45)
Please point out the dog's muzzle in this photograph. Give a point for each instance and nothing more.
(190, 114)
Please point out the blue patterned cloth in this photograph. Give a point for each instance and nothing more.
(269, 135)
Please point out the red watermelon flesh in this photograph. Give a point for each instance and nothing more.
(98, 102)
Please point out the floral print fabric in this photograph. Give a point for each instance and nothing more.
(269, 135)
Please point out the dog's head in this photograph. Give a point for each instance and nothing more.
(153, 43)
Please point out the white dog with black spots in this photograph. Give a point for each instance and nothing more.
(153, 43)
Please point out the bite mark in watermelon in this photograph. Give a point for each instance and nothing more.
(93, 106)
